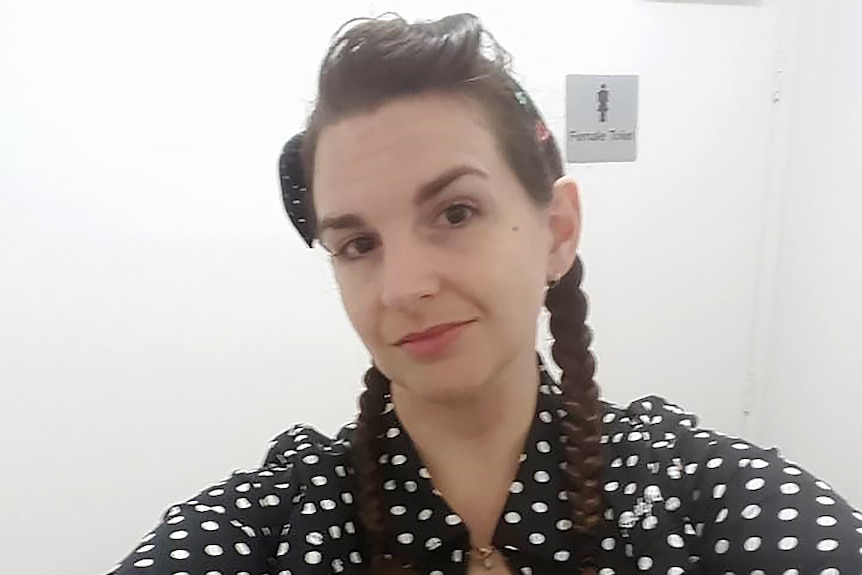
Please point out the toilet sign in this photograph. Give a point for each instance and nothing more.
(601, 118)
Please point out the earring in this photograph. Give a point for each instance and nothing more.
(555, 281)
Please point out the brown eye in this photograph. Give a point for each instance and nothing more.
(458, 214)
(356, 248)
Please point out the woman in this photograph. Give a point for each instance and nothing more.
(429, 176)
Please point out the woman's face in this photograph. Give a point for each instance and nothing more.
(440, 255)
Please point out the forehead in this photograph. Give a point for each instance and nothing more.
(391, 151)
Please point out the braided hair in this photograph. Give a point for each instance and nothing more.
(373, 61)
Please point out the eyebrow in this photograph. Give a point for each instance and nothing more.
(424, 194)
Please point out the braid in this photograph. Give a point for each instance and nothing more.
(366, 453)
(571, 350)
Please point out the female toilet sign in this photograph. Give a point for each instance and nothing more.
(601, 118)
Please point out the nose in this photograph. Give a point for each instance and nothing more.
(408, 275)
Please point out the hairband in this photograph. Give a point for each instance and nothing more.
(294, 187)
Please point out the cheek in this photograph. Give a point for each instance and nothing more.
(356, 299)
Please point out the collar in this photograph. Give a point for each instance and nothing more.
(535, 525)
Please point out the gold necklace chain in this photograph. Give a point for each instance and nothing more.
(485, 555)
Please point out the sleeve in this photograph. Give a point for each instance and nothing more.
(230, 527)
(753, 511)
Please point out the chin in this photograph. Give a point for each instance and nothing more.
(443, 381)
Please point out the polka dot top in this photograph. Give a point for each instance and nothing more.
(679, 499)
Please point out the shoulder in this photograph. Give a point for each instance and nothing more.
(242, 519)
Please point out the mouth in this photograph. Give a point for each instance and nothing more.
(432, 332)
(433, 343)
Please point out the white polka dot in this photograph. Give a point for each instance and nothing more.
(313, 557)
(675, 541)
(562, 556)
(209, 526)
(537, 538)
(393, 432)
(399, 460)
(827, 545)
(243, 487)
(791, 572)
(425, 514)
(564, 524)
(453, 519)
(335, 532)
(242, 549)
(789, 488)
(516, 487)
(283, 548)
(788, 543)
(179, 534)
(645, 563)
(759, 464)
(309, 509)
(213, 550)
(752, 544)
(542, 476)
(546, 417)
(405, 538)
(751, 511)
(675, 571)
(398, 510)
(672, 504)
(714, 463)
(175, 520)
(824, 500)
(314, 538)
(609, 544)
(144, 563)
(328, 504)
(788, 514)
(611, 486)
(823, 485)
(607, 571)
(355, 557)
(741, 446)
(830, 571)
(722, 516)
(540, 507)
(543, 447)
(243, 503)
(423, 473)
(792, 471)
(755, 484)
(310, 459)
(410, 486)
(650, 522)
(216, 492)
(721, 546)
(180, 554)
(512, 517)
(827, 521)
(433, 543)
(719, 491)
(318, 480)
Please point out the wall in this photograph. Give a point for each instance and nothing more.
(814, 356)
(163, 320)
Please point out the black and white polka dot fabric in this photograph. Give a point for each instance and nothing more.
(679, 500)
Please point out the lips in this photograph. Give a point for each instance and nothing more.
(432, 332)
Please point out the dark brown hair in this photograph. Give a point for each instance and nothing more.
(373, 61)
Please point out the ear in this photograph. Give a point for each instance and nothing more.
(564, 215)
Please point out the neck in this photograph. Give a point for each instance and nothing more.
(471, 455)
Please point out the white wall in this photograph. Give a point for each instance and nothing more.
(159, 318)
(813, 362)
